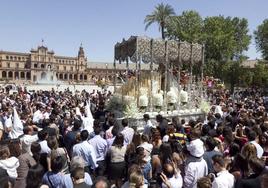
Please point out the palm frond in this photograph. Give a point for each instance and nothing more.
(159, 15)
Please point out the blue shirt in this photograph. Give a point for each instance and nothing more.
(52, 180)
(87, 152)
(68, 183)
(100, 146)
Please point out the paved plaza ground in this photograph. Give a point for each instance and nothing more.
(62, 87)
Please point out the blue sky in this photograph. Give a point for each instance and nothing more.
(99, 24)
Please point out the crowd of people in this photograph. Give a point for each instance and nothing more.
(64, 140)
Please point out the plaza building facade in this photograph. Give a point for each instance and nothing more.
(43, 64)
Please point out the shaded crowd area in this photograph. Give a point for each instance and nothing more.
(64, 139)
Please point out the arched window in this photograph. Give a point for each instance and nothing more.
(28, 76)
(22, 75)
(61, 77)
(65, 76)
(42, 66)
(85, 77)
(4, 74)
(16, 75)
(81, 77)
(70, 76)
(10, 74)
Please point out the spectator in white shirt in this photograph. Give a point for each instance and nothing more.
(27, 139)
(148, 125)
(8, 121)
(252, 137)
(196, 166)
(128, 132)
(43, 135)
(9, 163)
(224, 179)
(38, 115)
(170, 177)
(147, 147)
(47, 112)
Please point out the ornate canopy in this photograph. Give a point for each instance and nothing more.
(157, 50)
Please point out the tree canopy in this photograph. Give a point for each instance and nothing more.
(160, 15)
(261, 38)
(186, 27)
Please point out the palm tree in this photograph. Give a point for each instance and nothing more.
(159, 15)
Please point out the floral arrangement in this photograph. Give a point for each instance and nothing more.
(183, 96)
(158, 99)
(131, 110)
(143, 101)
(204, 106)
(125, 107)
(171, 97)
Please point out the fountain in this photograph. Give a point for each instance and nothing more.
(48, 78)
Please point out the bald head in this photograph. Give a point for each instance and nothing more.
(168, 170)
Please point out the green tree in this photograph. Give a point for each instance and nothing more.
(186, 27)
(241, 37)
(260, 77)
(160, 15)
(219, 38)
(225, 39)
(261, 38)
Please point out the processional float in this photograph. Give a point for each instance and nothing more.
(168, 54)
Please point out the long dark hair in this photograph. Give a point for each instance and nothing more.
(165, 153)
(35, 149)
(35, 175)
(119, 140)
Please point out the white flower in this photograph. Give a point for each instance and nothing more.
(183, 96)
(158, 99)
(204, 106)
(126, 107)
(131, 110)
(171, 97)
(143, 101)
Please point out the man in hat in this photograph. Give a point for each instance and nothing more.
(196, 166)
